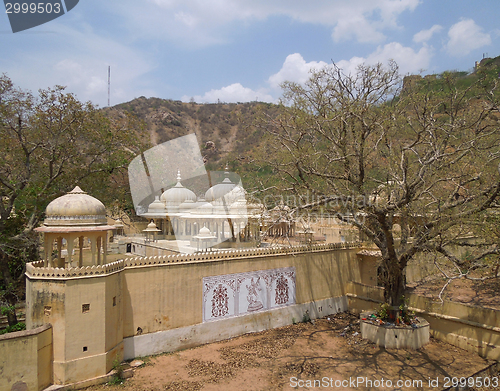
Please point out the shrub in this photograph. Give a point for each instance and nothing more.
(20, 326)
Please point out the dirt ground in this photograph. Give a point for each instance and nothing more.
(329, 351)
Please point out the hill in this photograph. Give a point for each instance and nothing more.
(225, 130)
(227, 133)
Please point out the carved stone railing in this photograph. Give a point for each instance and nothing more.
(37, 270)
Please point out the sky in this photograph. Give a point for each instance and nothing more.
(239, 50)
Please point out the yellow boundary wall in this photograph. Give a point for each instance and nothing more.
(468, 327)
(26, 357)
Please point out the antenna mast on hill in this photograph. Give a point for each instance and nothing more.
(109, 77)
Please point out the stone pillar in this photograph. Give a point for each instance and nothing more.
(69, 258)
(80, 256)
(47, 261)
(99, 243)
(104, 247)
(93, 248)
(59, 250)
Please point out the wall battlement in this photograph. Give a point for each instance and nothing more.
(37, 270)
(139, 305)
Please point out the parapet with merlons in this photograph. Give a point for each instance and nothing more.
(37, 269)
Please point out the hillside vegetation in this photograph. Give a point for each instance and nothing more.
(227, 132)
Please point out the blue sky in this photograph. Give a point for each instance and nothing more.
(239, 50)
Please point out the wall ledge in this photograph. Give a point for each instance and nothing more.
(25, 333)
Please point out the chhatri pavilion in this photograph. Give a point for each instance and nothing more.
(75, 216)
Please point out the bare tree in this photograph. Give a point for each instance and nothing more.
(413, 166)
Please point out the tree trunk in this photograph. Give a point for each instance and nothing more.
(9, 295)
(394, 283)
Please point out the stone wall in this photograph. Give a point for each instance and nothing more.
(103, 313)
(468, 327)
(26, 357)
(148, 305)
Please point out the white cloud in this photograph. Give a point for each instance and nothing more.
(232, 93)
(466, 36)
(408, 60)
(356, 26)
(199, 23)
(295, 69)
(425, 35)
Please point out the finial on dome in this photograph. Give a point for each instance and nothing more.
(226, 175)
(77, 190)
(178, 175)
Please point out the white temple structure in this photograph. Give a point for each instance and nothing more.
(223, 211)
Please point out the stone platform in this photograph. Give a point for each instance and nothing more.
(395, 337)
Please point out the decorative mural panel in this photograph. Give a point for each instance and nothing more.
(243, 293)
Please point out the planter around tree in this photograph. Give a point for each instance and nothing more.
(390, 336)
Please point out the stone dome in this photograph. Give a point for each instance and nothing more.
(75, 208)
(204, 208)
(151, 227)
(217, 192)
(187, 205)
(239, 207)
(205, 232)
(177, 194)
(157, 206)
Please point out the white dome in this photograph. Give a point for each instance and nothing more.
(187, 205)
(75, 208)
(177, 194)
(151, 227)
(157, 206)
(239, 207)
(218, 191)
(238, 193)
(205, 232)
(205, 208)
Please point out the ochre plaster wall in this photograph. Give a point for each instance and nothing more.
(163, 297)
(92, 309)
(86, 339)
(26, 356)
(472, 328)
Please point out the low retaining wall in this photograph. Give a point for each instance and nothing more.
(26, 357)
(395, 337)
(466, 326)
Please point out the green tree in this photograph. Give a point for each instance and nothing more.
(382, 155)
(49, 143)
